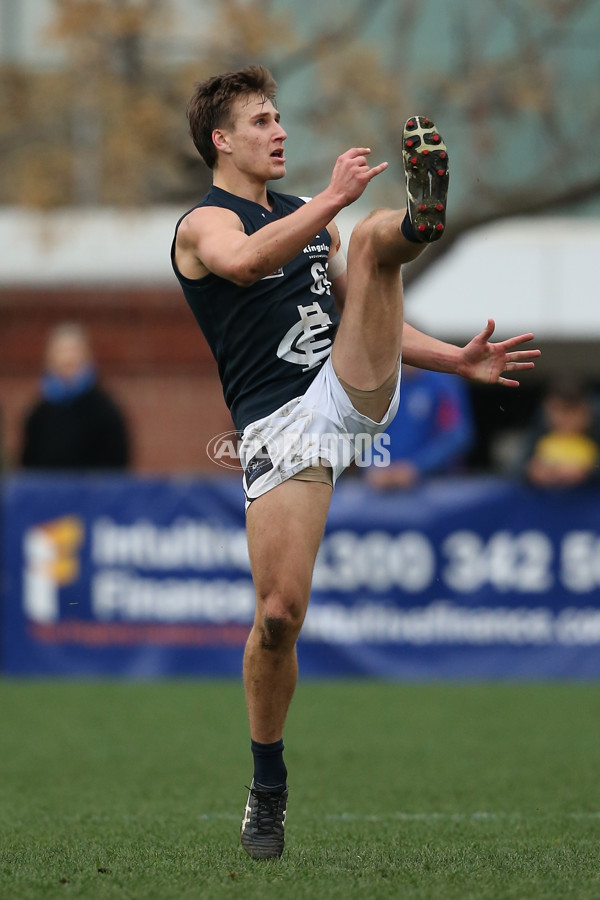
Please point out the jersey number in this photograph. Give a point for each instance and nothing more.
(320, 284)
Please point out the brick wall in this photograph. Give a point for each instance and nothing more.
(152, 358)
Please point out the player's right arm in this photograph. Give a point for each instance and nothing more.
(212, 239)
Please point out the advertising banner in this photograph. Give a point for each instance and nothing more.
(459, 578)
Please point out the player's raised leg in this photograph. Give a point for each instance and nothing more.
(369, 338)
(284, 527)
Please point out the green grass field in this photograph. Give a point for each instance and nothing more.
(413, 791)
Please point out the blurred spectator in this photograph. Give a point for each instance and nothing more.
(75, 424)
(431, 433)
(562, 447)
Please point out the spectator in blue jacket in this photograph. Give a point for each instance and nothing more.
(74, 424)
(432, 431)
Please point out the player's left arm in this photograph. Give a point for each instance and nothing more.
(336, 267)
(479, 360)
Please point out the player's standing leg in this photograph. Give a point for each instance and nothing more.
(284, 527)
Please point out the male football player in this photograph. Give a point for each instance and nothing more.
(266, 279)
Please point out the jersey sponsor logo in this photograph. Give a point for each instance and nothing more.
(317, 249)
(300, 345)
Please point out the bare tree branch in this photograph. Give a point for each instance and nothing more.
(511, 206)
(327, 41)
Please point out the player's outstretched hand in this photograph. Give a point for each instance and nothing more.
(483, 361)
(352, 173)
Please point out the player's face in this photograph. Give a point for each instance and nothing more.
(256, 139)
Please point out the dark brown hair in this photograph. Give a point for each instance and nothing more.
(210, 105)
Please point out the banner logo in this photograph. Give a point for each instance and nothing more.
(51, 551)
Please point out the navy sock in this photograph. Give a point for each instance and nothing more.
(269, 767)
(408, 231)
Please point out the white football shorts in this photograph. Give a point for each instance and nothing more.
(322, 424)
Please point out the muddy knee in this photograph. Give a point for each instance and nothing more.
(278, 633)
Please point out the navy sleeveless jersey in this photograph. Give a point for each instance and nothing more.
(269, 339)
